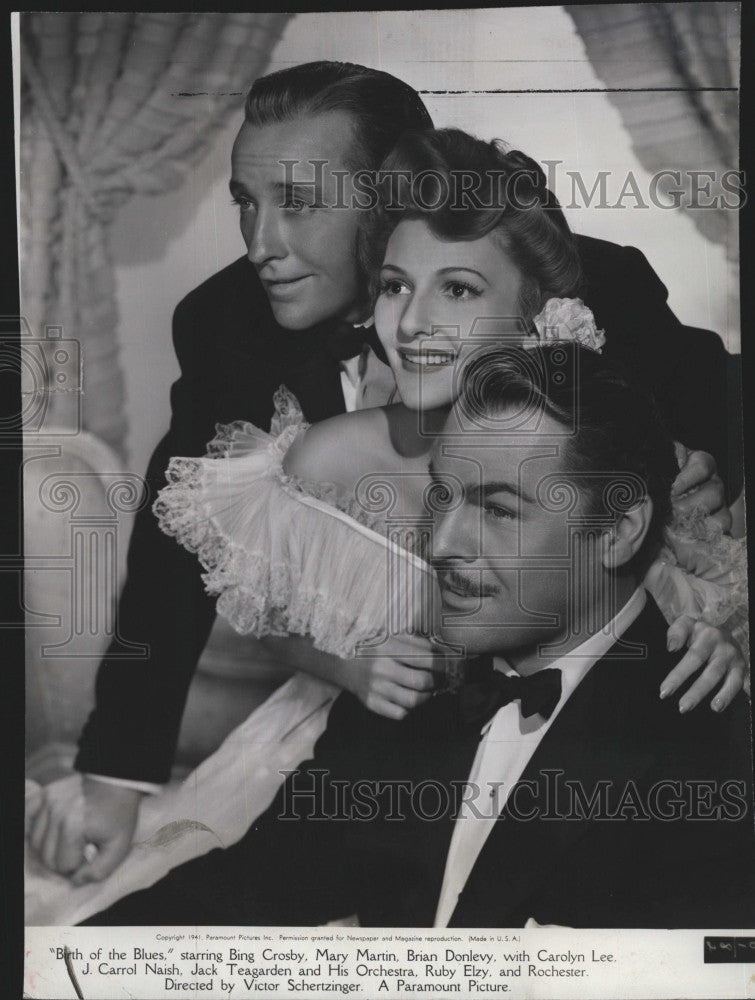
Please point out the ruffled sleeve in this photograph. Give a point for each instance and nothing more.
(701, 572)
(282, 555)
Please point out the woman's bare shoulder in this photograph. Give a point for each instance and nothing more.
(340, 449)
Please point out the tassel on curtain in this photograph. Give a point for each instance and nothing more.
(103, 118)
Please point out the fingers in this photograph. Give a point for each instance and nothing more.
(34, 801)
(49, 850)
(39, 827)
(64, 854)
(685, 668)
(695, 468)
(710, 678)
(735, 681)
(403, 697)
(105, 861)
(713, 649)
(382, 706)
(68, 820)
(711, 496)
(57, 840)
(679, 634)
(724, 518)
(702, 638)
(414, 678)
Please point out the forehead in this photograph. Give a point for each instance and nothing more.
(328, 136)
(512, 457)
(415, 246)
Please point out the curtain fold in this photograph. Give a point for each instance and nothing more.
(115, 105)
(672, 70)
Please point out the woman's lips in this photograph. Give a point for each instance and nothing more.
(426, 361)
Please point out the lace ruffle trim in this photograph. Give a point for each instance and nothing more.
(717, 565)
(256, 593)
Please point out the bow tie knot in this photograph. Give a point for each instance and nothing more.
(538, 693)
(344, 340)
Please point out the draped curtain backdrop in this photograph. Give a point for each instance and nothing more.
(679, 63)
(115, 104)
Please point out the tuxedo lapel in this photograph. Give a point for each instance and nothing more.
(403, 857)
(521, 852)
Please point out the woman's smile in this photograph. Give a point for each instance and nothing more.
(426, 359)
(433, 294)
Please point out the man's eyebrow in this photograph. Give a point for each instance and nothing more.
(290, 187)
(490, 489)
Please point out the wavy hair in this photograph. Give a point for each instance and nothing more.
(615, 440)
(466, 188)
(381, 106)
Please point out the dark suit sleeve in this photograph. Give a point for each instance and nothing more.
(692, 378)
(133, 730)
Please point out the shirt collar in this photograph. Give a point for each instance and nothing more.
(576, 663)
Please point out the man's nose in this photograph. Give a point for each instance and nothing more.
(264, 239)
(456, 536)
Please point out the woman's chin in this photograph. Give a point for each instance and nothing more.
(423, 394)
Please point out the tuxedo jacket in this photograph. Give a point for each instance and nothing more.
(633, 815)
(233, 356)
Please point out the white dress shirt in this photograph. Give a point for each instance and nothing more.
(508, 742)
(365, 380)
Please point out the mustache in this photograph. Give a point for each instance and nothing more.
(466, 585)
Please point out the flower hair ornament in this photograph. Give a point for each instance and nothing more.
(566, 319)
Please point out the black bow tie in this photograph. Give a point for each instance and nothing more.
(344, 341)
(489, 689)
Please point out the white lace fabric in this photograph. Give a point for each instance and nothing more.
(701, 572)
(286, 556)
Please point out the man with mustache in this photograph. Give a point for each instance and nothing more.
(285, 314)
(555, 786)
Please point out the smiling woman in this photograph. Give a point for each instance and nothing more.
(453, 283)
(432, 293)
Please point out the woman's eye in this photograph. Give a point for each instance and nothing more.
(462, 290)
(392, 286)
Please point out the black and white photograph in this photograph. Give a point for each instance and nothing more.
(384, 532)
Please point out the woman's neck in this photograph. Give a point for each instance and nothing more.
(412, 432)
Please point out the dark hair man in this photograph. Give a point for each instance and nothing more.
(555, 786)
(284, 314)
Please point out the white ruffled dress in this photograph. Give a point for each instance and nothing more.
(291, 557)
(284, 556)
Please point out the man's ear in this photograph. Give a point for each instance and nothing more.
(625, 539)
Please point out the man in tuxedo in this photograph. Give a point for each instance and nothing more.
(554, 786)
(285, 313)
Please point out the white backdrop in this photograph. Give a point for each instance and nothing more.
(164, 246)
